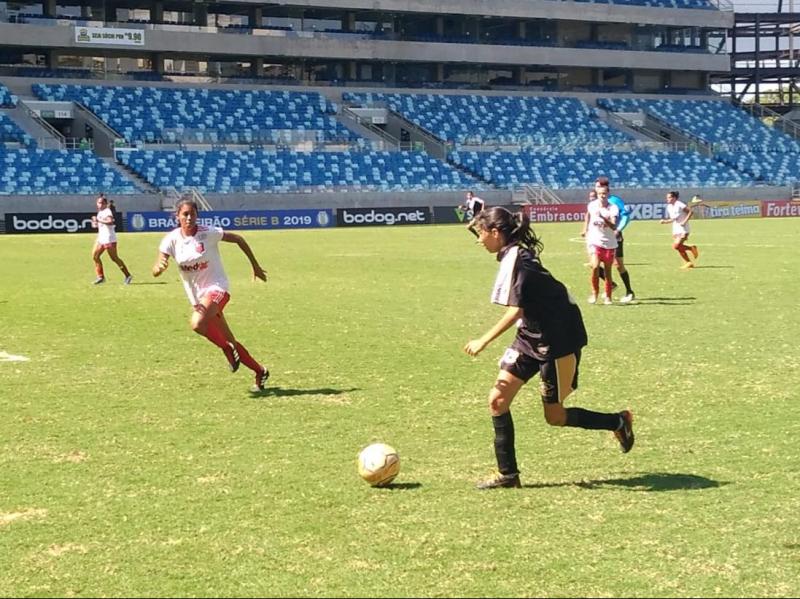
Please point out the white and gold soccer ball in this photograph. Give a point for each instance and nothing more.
(378, 464)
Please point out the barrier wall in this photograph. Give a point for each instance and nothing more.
(313, 218)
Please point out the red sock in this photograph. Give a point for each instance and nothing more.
(98, 269)
(215, 335)
(247, 359)
(682, 251)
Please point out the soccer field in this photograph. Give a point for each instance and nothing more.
(133, 463)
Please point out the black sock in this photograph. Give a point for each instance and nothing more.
(601, 272)
(580, 418)
(627, 280)
(504, 444)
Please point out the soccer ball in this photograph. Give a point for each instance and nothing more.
(378, 464)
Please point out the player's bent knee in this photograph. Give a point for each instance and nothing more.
(554, 414)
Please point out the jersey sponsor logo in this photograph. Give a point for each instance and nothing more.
(194, 267)
(200, 248)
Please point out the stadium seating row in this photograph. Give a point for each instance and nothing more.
(222, 171)
(471, 119)
(152, 114)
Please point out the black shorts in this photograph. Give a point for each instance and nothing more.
(525, 367)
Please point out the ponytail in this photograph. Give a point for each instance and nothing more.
(515, 227)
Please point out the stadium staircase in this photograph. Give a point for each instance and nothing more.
(129, 173)
(46, 136)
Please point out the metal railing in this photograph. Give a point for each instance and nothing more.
(57, 138)
(389, 139)
(776, 120)
(172, 196)
(534, 193)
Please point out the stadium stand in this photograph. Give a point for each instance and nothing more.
(11, 132)
(482, 120)
(7, 99)
(252, 171)
(195, 115)
(579, 168)
(38, 172)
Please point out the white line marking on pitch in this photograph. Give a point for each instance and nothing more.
(7, 357)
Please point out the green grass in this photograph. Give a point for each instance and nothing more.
(132, 463)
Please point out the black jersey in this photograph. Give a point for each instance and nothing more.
(551, 324)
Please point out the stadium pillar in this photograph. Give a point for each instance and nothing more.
(440, 26)
(519, 75)
(439, 72)
(51, 59)
(157, 12)
(256, 17)
(49, 8)
(257, 66)
(158, 63)
(522, 30)
(352, 70)
(201, 15)
(349, 21)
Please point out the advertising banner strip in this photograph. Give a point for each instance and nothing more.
(236, 219)
(370, 217)
(729, 209)
(50, 222)
(779, 208)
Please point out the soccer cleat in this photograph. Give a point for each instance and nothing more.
(607, 300)
(233, 357)
(695, 251)
(592, 299)
(498, 481)
(687, 265)
(261, 379)
(624, 433)
(627, 299)
(128, 280)
(99, 280)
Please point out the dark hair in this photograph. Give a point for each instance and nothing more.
(675, 194)
(187, 200)
(515, 227)
(602, 181)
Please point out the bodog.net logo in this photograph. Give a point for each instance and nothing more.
(363, 217)
(68, 222)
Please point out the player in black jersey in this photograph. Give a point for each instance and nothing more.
(549, 340)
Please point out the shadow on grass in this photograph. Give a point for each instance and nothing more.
(283, 392)
(137, 283)
(664, 301)
(399, 486)
(712, 266)
(656, 481)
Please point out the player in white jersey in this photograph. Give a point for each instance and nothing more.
(679, 215)
(599, 228)
(195, 248)
(106, 241)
